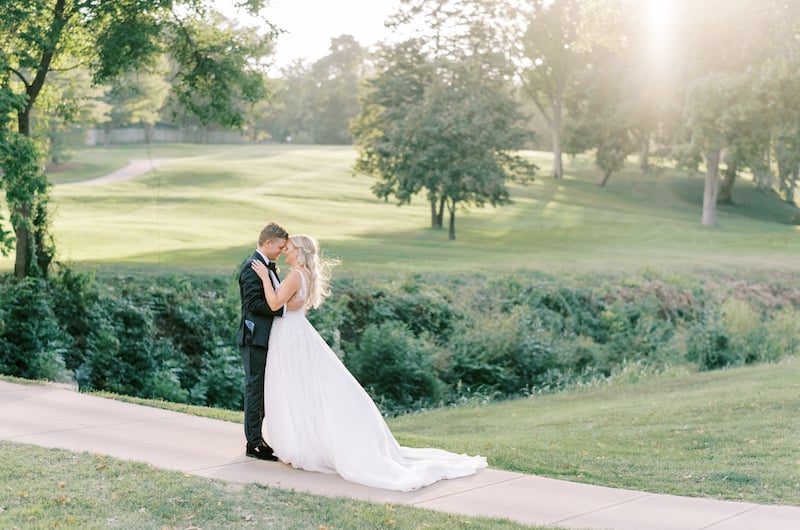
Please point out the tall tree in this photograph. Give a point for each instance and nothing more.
(437, 34)
(785, 132)
(404, 72)
(215, 69)
(603, 111)
(286, 117)
(712, 117)
(315, 103)
(723, 113)
(777, 92)
(453, 135)
(336, 79)
(449, 29)
(551, 48)
(138, 97)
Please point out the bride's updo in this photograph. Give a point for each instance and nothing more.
(319, 268)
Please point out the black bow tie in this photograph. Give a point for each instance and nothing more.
(271, 266)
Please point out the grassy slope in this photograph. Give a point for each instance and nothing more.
(202, 210)
(728, 434)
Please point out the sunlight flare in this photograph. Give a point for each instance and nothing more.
(659, 20)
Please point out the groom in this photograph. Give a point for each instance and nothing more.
(253, 336)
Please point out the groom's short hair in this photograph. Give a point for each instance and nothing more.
(271, 232)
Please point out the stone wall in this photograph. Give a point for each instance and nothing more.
(138, 134)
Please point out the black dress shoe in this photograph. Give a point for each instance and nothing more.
(262, 452)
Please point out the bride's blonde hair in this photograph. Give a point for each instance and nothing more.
(319, 268)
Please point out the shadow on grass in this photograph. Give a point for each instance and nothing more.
(748, 201)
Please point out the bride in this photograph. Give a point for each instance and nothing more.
(317, 416)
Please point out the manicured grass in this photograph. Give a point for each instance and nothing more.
(729, 434)
(49, 488)
(202, 210)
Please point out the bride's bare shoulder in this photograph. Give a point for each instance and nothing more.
(300, 272)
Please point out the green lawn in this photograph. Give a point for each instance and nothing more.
(49, 488)
(728, 434)
(201, 211)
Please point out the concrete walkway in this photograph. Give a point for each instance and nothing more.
(134, 168)
(54, 417)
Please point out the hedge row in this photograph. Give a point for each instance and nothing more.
(413, 342)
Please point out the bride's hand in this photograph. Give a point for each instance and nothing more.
(260, 269)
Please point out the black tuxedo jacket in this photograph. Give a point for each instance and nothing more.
(257, 316)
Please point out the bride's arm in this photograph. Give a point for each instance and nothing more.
(289, 286)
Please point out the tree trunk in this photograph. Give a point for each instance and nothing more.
(711, 189)
(26, 243)
(440, 215)
(764, 179)
(726, 190)
(558, 168)
(434, 218)
(644, 153)
(24, 248)
(451, 233)
(45, 249)
(604, 179)
(148, 132)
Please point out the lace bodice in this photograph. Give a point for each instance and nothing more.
(298, 302)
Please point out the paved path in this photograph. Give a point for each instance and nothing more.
(54, 417)
(133, 169)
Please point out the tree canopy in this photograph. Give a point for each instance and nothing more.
(699, 82)
(448, 128)
(216, 69)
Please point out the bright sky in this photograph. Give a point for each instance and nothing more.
(310, 25)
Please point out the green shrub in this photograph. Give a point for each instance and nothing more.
(220, 381)
(748, 335)
(165, 380)
(330, 319)
(193, 315)
(33, 344)
(784, 327)
(396, 367)
(413, 342)
(423, 309)
(505, 352)
(708, 345)
(575, 310)
(74, 297)
(121, 351)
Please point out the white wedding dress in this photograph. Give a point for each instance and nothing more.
(319, 418)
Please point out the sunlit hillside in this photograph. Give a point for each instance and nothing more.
(202, 207)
